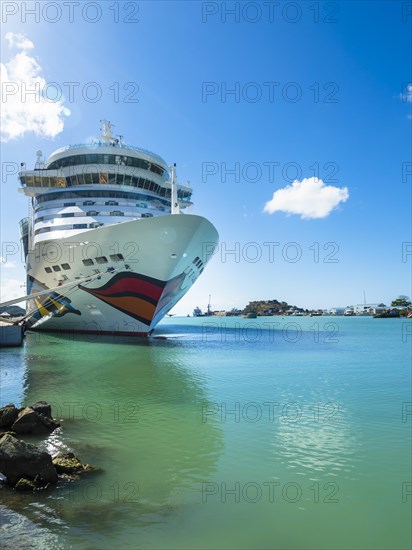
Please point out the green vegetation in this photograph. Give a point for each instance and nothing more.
(401, 301)
(269, 307)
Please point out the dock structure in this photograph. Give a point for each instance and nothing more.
(10, 335)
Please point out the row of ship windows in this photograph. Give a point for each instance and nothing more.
(83, 214)
(103, 259)
(46, 197)
(113, 179)
(93, 225)
(198, 262)
(119, 160)
(79, 214)
(93, 178)
(68, 227)
(94, 213)
(99, 179)
(87, 262)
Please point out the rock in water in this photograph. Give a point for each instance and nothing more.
(26, 421)
(8, 415)
(31, 422)
(24, 460)
(42, 407)
(69, 465)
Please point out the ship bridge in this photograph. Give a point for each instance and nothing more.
(86, 186)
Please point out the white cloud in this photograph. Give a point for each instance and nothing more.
(6, 264)
(310, 198)
(19, 41)
(11, 289)
(23, 112)
(407, 96)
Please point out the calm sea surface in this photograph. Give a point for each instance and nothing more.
(289, 433)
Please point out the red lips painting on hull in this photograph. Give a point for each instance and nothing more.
(133, 294)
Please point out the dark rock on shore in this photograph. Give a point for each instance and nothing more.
(31, 422)
(42, 407)
(8, 415)
(24, 460)
(36, 419)
(25, 467)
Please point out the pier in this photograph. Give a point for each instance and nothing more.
(10, 335)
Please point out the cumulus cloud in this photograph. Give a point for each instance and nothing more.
(18, 41)
(310, 198)
(21, 111)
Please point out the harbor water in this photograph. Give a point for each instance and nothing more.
(283, 433)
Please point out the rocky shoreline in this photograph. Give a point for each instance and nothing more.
(26, 467)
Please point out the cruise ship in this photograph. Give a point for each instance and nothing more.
(108, 246)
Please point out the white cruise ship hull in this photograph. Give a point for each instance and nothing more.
(119, 279)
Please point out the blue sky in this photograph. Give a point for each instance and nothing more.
(322, 90)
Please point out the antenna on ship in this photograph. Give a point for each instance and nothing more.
(39, 159)
(106, 128)
(107, 137)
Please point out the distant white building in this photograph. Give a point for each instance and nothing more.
(368, 309)
(337, 311)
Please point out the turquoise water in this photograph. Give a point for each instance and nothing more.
(289, 433)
